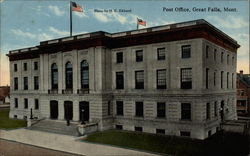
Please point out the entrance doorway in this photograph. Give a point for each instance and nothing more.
(53, 109)
(68, 110)
(84, 111)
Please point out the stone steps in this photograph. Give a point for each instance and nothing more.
(56, 127)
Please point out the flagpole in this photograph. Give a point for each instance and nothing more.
(137, 27)
(70, 18)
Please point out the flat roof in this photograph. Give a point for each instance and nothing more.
(126, 34)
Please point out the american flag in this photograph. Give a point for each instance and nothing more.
(141, 22)
(76, 7)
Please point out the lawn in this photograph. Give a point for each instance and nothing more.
(220, 144)
(6, 123)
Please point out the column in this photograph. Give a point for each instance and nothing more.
(76, 110)
(61, 110)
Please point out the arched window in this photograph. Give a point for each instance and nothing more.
(54, 76)
(68, 75)
(84, 75)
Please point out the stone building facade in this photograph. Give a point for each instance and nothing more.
(177, 79)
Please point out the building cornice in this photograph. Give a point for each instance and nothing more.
(167, 33)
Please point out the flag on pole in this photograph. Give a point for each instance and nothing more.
(76, 7)
(141, 22)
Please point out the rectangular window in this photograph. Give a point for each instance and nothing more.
(185, 133)
(15, 83)
(109, 108)
(185, 111)
(139, 109)
(161, 109)
(119, 107)
(139, 55)
(161, 53)
(35, 65)
(25, 103)
(15, 67)
(119, 57)
(118, 127)
(119, 80)
(25, 66)
(215, 53)
(215, 78)
(207, 49)
(160, 131)
(186, 51)
(138, 129)
(227, 59)
(232, 60)
(221, 79)
(161, 79)
(207, 80)
(16, 103)
(209, 133)
(227, 79)
(215, 108)
(25, 83)
(36, 82)
(222, 55)
(139, 79)
(208, 111)
(186, 78)
(36, 104)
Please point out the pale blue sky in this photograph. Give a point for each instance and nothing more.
(26, 23)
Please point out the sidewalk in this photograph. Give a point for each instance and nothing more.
(64, 143)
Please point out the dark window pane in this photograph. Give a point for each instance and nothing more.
(84, 75)
(139, 79)
(24, 66)
(119, 127)
(208, 110)
(25, 103)
(161, 109)
(161, 53)
(36, 104)
(25, 83)
(160, 131)
(185, 133)
(119, 57)
(35, 65)
(161, 79)
(15, 67)
(138, 129)
(15, 83)
(119, 107)
(54, 76)
(207, 51)
(139, 55)
(207, 72)
(119, 80)
(221, 79)
(186, 78)
(186, 51)
(36, 82)
(215, 108)
(186, 111)
(16, 103)
(68, 75)
(139, 109)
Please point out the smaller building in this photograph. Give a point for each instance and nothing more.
(243, 94)
(4, 94)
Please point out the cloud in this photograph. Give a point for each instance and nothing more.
(58, 32)
(81, 14)
(1, 1)
(232, 22)
(39, 10)
(56, 10)
(23, 34)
